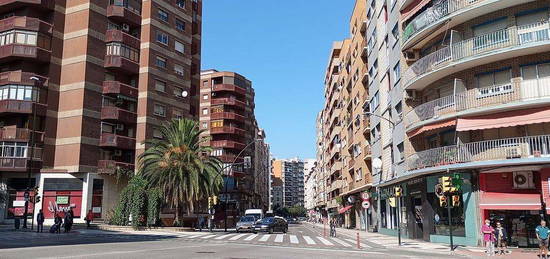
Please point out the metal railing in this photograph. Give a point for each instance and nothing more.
(497, 149)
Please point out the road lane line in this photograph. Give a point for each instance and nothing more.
(355, 243)
(264, 238)
(293, 239)
(238, 236)
(309, 241)
(208, 236)
(325, 242)
(279, 238)
(250, 237)
(223, 236)
(341, 242)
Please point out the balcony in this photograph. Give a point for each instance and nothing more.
(227, 144)
(336, 166)
(124, 15)
(227, 130)
(20, 78)
(518, 94)
(116, 141)
(484, 49)
(18, 106)
(228, 101)
(447, 14)
(121, 64)
(229, 158)
(111, 166)
(228, 88)
(7, 5)
(19, 134)
(19, 164)
(509, 151)
(116, 88)
(337, 184)
(367, 152)
(227, 116)
(25, 23)
(115, 114)
(114, 35)
(12, 52)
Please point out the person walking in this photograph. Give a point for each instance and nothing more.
(201, 223)
(542, 233)
(68, 222)
(58, 221)
(501, 237)
(488, 237)
(40, 222)
(89, 218)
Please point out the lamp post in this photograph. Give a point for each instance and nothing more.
(37, 83)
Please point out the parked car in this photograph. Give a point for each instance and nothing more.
(245, 223)
(270, 225)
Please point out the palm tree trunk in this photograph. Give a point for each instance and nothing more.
(177, 219)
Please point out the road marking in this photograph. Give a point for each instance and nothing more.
(341, 242)
(193, 236)
(264, 238)
(279, 238)
(224, 236)
(325, 242)
(250, 237)
(208, 236)
(238, 236)
(309, 241)
(355, 242)
(293, 239)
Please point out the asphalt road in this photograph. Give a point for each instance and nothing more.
(302, 241)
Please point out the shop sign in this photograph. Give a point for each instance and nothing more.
(18, 203)
(62, 200)
(96, 210)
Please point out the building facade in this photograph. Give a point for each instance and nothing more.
(277, 185)
(88, 82)
(262, 171)
(309, 183)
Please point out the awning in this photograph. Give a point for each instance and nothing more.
(504, 119)
(412, 9)
(344, 209)
(439, 125)
(510, 201)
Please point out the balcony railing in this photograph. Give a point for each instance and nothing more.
(117, 114)
(488, 150)
(19, 106)
(228, 87)
(16, 51)
(226, 115)
(12, 133)
(25, 23)
(116, 87)
(478, 98)
(114, 35)
(13, 4)
(228, 101)
(117, 141)
(367, 153)
(124, 14)
(509, 37)
(227, 144)
(121, 63)
(111, 166)
(227, 130)
(21, 78)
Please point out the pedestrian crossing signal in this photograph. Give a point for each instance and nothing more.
(456, 200)
(443, 201)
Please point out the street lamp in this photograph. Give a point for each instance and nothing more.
(37, 82)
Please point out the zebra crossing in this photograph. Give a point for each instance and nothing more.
(278, 239)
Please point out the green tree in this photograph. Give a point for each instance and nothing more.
(179, 164)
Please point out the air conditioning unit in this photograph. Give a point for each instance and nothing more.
(523, 180)
(120, 127)
(118, 152)
(412, 56)
(513, 152)
(125, 27)
(410, 94)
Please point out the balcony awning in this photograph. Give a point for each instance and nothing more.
(504, 119)
(430, 127)
(344, 209)
(510, 201)
(412, 9)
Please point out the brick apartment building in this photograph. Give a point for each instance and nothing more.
(107, 74)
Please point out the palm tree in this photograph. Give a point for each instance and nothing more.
(180, 165)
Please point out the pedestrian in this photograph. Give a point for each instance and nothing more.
(542, 235)
(57, 222)
(201, 222)
(40, 222)
(89, 218)
(488, 237)
(68, 222)
(501, 237)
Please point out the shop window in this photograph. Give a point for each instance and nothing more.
(441, 217)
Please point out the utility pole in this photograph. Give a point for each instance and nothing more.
(31, 151)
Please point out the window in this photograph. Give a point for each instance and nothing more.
(178, 114)
(494, 83)
(205, 97)
(401, 149)
(397, 72)
(178, 69)
(162, 15)
(13, 149)
(178, 92)
(118, 49)
(216, 124)
(359, 174)
(399, 108)
(534, 72)
(356, 150)
(160, 86)
(205, 125)
(161, 62)
(374, 101)
(179, 47)
(395, 33)
(19, 92)
(160, 110)
(162, 38)
(180, 25)
(157, 133)
(180, 3)
(204, 111)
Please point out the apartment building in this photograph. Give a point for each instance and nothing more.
(293, 179)
(85, 83)
(320, 169)
(309, 183)
(262, 171)
(345, 125)
(277, 185)
(227, 116)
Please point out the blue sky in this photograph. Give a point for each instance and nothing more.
(283, 47)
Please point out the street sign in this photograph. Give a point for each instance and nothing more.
(351, 199)
(365, 196)
(365, 204)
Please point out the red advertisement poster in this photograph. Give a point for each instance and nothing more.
(61, 202)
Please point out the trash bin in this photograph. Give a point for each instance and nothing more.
(17, 222)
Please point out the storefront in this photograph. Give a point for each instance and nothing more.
(61, 195)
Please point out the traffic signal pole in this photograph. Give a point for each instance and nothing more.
(450, 225)
(398, 222)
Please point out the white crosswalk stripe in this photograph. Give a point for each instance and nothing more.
(341, 242)
(325, 242)
(223, 236)
(293, 239)
(238, 236)
(309, 241)
(251, 237)
(208, 236)
(193, 236)
(279, 238)
(264, 238)
(355, 243)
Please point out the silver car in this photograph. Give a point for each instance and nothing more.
(245, 223)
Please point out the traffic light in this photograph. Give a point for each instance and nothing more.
(446, 184)
(457, 182)
(37, 199)
(215, 200)
(443, 201)
(398, 191)
(456, 200)
(209, 202)
(392, 202)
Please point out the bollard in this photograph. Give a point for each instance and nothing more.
(358, 241)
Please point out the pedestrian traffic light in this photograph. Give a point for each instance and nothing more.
(398, 191)
(457, 181)
(214, 200)
(443, 201)
(456, 200)
(446, 184)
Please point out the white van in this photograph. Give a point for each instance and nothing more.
(256, 213)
